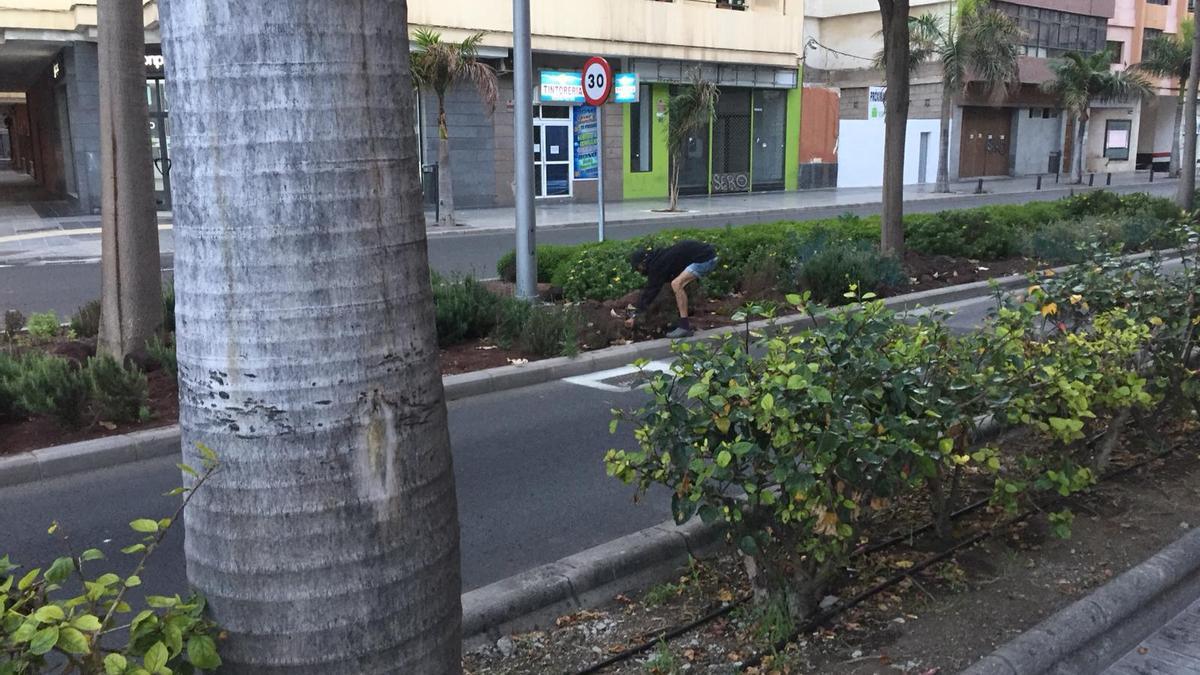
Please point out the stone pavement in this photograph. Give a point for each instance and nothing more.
(1172, 650)
(35, 229)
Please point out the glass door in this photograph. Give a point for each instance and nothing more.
(770, 139)
(552, 152)
(160, 140)
(731, 142)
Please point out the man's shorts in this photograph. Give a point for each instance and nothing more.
(702, 269)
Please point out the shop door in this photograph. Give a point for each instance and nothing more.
(770, 139)
(731, 142)
(693, 170)
(160, 140)
(552, 150)
(986, 135)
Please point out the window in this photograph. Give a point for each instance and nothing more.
(1150, 34)
(1158, 2)
(641, 132)
(1049, 113)
(1050, 32)
(1116, 139)
(1116, 50)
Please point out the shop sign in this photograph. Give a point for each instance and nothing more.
(558, 86)
(626, 88)
(587, 142)
(876, 103)
(154, 61)
(731, 182)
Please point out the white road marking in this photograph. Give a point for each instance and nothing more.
(596, 380)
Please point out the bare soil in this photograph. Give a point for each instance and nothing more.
(602, 327)
(936, 622)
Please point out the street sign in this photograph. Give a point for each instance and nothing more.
(625, 87)
(557, 86)
(597, 81)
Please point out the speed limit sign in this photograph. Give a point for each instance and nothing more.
(597, 81)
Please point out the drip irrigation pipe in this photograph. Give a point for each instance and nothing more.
(832, 612)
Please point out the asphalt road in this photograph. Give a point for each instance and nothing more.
(63, 287)
(528, 464)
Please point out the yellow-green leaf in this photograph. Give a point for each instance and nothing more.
(27, 580)
(144, 525)
(202, 652)
(156, 657)
(86, 622)
(72, 641)
(115, 664)
(723, 458)
(48, 613)
(43, 641)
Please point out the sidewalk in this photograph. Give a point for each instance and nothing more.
(30, 233)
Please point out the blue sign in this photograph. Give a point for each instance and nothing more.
(587, 142)
(561, 87)
(625, 88)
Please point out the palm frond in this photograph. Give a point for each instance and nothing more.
(691, 110)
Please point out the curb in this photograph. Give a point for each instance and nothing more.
(115, 450)
(534, 599)
(684, 218)
(1098, 630)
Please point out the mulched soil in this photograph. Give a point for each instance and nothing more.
(602, 328)
(937, 622)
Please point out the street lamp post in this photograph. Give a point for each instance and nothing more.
(523, 151)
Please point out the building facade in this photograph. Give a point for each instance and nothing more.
(750, 48)
(1024, 133)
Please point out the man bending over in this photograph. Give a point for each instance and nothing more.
(680, 265)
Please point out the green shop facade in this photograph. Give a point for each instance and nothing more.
(752, 144)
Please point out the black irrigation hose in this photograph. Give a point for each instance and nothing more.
(830, 613)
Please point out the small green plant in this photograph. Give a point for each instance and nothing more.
(662, 594)
(465, 310)
(551, 331)
(14, 321)
(834, 268)
(163, 353)
(43, 327)
(119, 394)
(58, 617)
(663, 661)
(50, 385)
(86, 320)
(10, 372)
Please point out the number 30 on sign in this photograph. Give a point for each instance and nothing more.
(597, 81)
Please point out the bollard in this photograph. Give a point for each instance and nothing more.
(1108, 179)
(1091, 180)
(979, 187)
(1039, 184)
(1151, 173)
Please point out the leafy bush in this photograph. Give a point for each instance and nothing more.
(163, 354)
(50, 385)
(119, 394)
(832, 269)
(1067, 241)
(168, 307)
(43, 327)
(14, 321)
(599, 272)
(55, 618)
(86, 320)
(465, 310)
(551, 331)
(549, 258)
(10, 372)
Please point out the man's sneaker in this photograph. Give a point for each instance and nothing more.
(679, 334)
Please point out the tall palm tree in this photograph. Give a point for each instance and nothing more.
(131, 288)
(437, 66)
(978, 43)
(328, 542)
(1079, 81)
(1170, 56)
(690, 111)
(896, 49)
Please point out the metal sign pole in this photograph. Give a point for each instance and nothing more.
(600, 164)
(523, 151)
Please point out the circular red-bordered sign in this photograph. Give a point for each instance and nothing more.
(597, 81)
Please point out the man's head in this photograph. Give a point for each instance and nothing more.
(638, 259)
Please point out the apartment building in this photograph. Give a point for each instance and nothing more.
(1026, 133)
(750, 48)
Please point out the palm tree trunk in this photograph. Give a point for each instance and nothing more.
(131, 290)
(445, 176)
(943, 173)
(1175, 139)
(673, 187)
(896, 38)
(1081, 124)
(328, 541)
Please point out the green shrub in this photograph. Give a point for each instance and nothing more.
(10, 372)
(54, 386)
(1069, 241)
(14, 321)
(1145, 231)
(551, 331)
(465, 310)
(599, 272)
(168, 306)
(119, 394)
(511, 316)
(164, 355)
(86, 320)
(833, 268)
(549, 258)
(43, 327)
(978, 234)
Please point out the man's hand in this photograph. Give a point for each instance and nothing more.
(629, 322)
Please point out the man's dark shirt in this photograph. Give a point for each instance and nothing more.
(663, 265)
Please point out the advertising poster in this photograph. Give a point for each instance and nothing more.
(587, 147)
